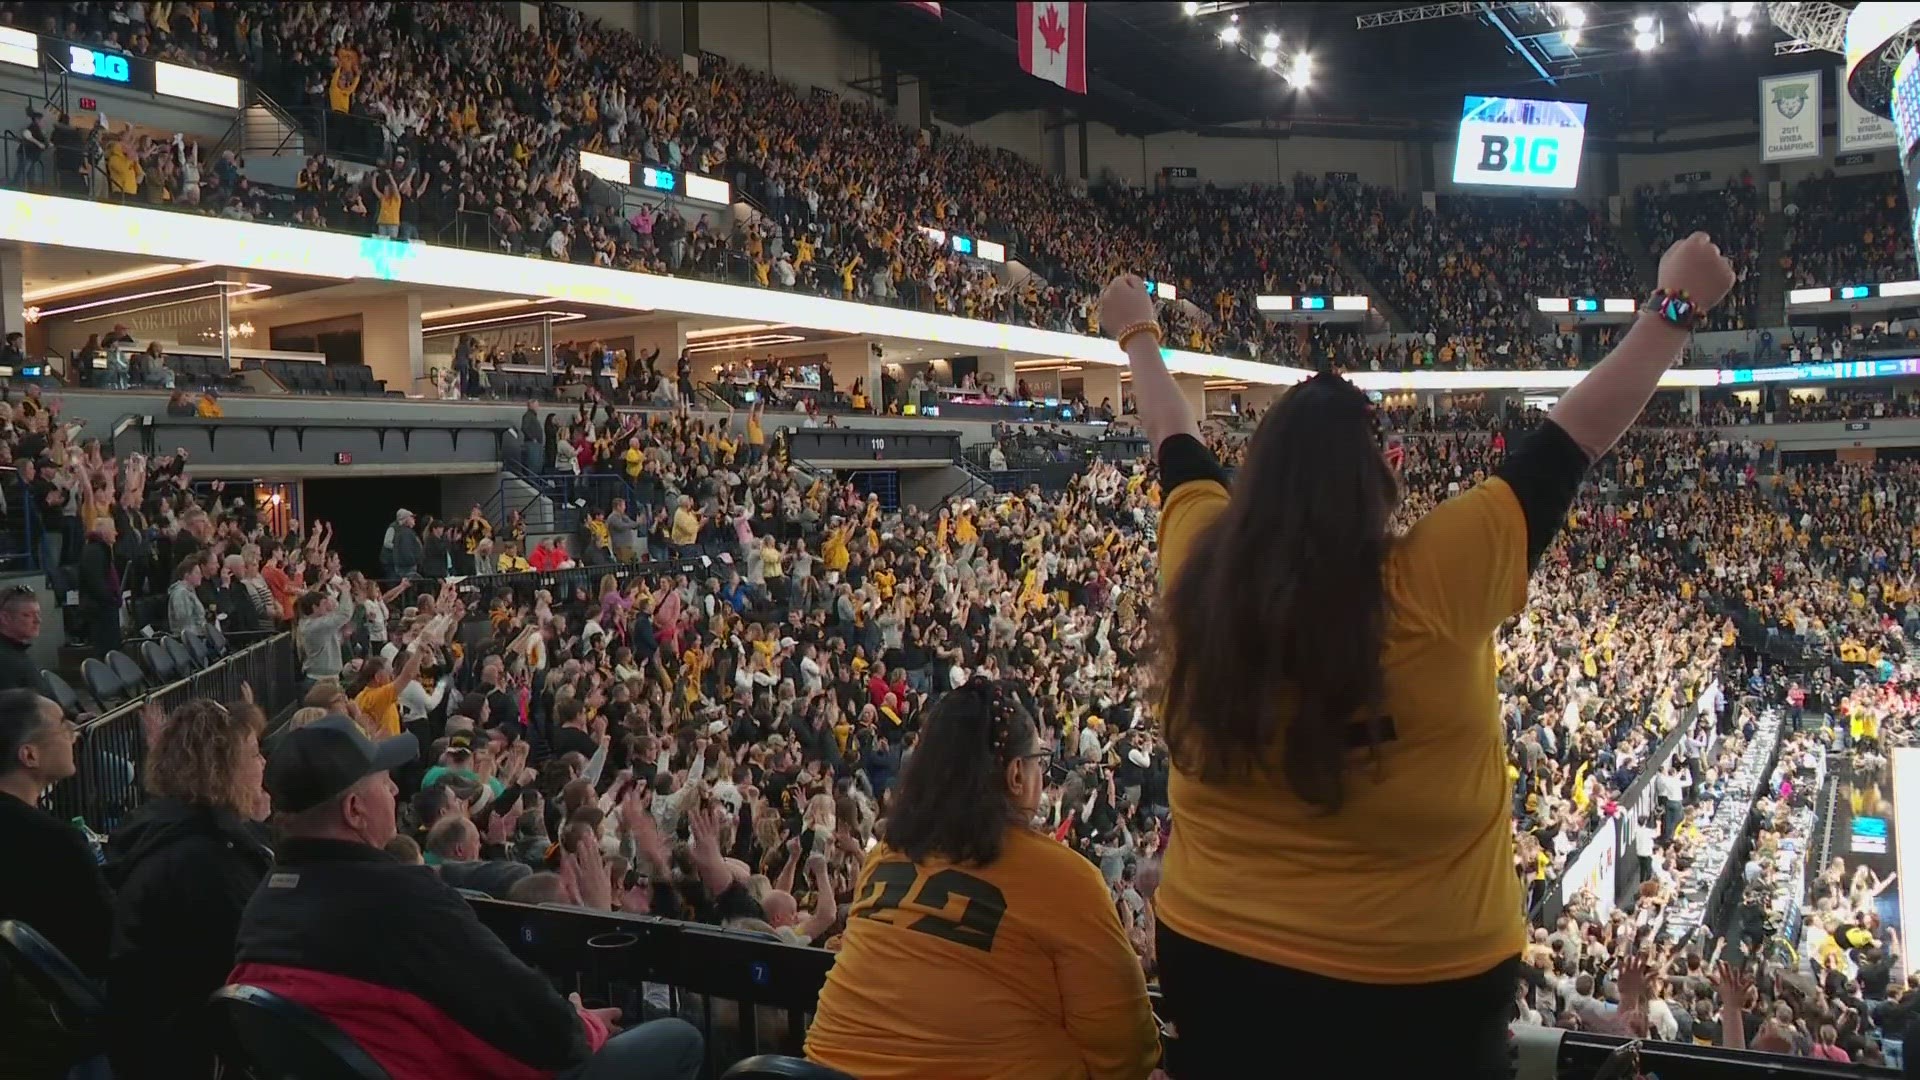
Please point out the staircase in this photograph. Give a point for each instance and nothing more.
(1771, 301)
(1363, 286)
(974, 481)
(266, 130)
(519, 491)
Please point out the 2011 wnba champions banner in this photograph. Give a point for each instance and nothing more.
(1790, 117)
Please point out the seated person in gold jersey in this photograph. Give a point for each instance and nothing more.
(978, 948)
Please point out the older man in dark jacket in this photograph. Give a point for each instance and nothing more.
(397, 959)
(406, 547)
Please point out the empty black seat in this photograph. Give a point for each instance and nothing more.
(102, 683)
(196, 643)
(131, 675)
(77, 1004)
(158, 661)
(270, 1036)
(183, 662)
(63, 695)
(781, 1067)
(216, 640)
(197, 371)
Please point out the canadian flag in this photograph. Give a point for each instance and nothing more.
(1053, 43)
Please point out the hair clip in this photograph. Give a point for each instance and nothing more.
(999, 713)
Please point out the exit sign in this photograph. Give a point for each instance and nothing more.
(343, 457)
(89, 104)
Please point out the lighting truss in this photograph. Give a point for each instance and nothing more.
(1422, 13)
(1810, 27)
(1426, 13)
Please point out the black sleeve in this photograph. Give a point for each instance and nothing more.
(79, 906)
(1184, 458)
(1544, 472)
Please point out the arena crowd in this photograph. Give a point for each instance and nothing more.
(498, 168)
(728, 744)
(723, 746)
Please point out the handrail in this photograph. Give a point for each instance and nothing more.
(58, 72)
(109, 748)
(615, 957)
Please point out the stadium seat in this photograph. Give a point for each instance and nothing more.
(263, 1033)
(196, 643)
(102, 683)
(131, 675)
(63, 695)
(781, 1067)
(216, 640)
(159, 662)
(77, 1004)
(183, 661)
(317, 378)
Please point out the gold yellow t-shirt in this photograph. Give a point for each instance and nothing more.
(381, 704)
(1030, 944)
(1412, 880)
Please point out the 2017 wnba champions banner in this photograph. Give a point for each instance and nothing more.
(1790, 117)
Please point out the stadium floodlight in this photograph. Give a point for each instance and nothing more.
(1229, 33)
(1740, 11)
(1269, 58)
(1710, 15)
(1645, 41)
(1742, 27)
(1642, 24)
(1570, 37)
(1191, 7)
(1272, 40)
(1574, 16)
(1302, 73)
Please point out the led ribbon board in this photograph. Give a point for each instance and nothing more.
(1517, 142)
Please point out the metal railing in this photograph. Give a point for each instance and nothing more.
(110, 749)
(750, 994)
(569, 495)
(746, 993)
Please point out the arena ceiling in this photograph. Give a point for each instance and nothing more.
(1154, 67)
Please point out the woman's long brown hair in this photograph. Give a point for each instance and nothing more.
(1271, 631)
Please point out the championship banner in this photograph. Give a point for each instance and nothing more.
(1858, 128)
(1790, 117)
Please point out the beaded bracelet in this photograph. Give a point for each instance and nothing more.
(1146, 327)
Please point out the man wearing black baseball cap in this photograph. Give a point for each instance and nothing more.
(396, 958)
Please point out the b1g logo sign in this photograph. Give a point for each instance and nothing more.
(1501, 153)
(99, 65)
(1515, 142)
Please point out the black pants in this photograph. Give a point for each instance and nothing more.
(1236, 1017)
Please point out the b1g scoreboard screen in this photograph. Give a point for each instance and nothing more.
(1517, 142)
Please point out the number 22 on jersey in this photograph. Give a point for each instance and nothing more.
(904, 895)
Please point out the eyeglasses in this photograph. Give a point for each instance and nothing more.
(1044, 757)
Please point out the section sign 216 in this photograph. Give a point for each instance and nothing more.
(1517, 142)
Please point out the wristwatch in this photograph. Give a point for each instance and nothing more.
(1675, 308)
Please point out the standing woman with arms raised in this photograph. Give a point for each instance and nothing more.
(1342, 834)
